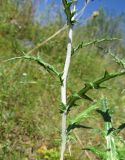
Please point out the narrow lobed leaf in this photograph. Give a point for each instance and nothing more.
(45, 65)
(99, 153)
(97, 41)
(83, 115)
(92, 85)
(73, 126)
(67, 9)
(105, 115)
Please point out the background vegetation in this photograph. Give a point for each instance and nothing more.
(30, 97)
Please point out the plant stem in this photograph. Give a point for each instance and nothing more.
(70, 21)
(110, 141)
(63, 92)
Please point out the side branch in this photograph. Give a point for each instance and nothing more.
(39, 60)
(119, 61)
(45, 65)
(96, 84)
(82, 44)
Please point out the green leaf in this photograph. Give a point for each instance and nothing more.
(49, 68)
(87, 97)
(83, 115)
(105, 114)
(92, 85)
(73, 126)
(117, 130)
(97, 41)
(62, 107)
(106, 74)
(121, 127)
(67, 9)
(99, 153)
(119, 61)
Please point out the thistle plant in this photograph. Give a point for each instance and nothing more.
(110, 140)
(68, 103)
(109, 133)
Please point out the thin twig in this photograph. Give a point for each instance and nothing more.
(47, 40)
(81, 144)
(14, 58)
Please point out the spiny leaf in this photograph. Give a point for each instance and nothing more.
(62, 107)
(110, 130)
(76, 95)
(73, 126)
(83, 115)
(119, 61)
(72, 14)
(87, 97)
(96, 84)
(99, 153)
(60, 78)
(110, 141)
(97, 41)
(45, 65)
(82, 126)
(117, 130)
(106, 74)
(39, 60)
(105, 115)
(67, 9)
(69, 4)
(121, 127)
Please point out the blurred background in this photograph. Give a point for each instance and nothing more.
(30, 96)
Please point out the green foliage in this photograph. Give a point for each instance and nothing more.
(97, 41)
(92, 85)
(121, 62)
(67, 9)
(47, 66)
(99, 153)
(29, 97)
(99, 27)
(110, 140)
(75, 122)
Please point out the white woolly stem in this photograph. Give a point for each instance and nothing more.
(63, 92)
(63, 87)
